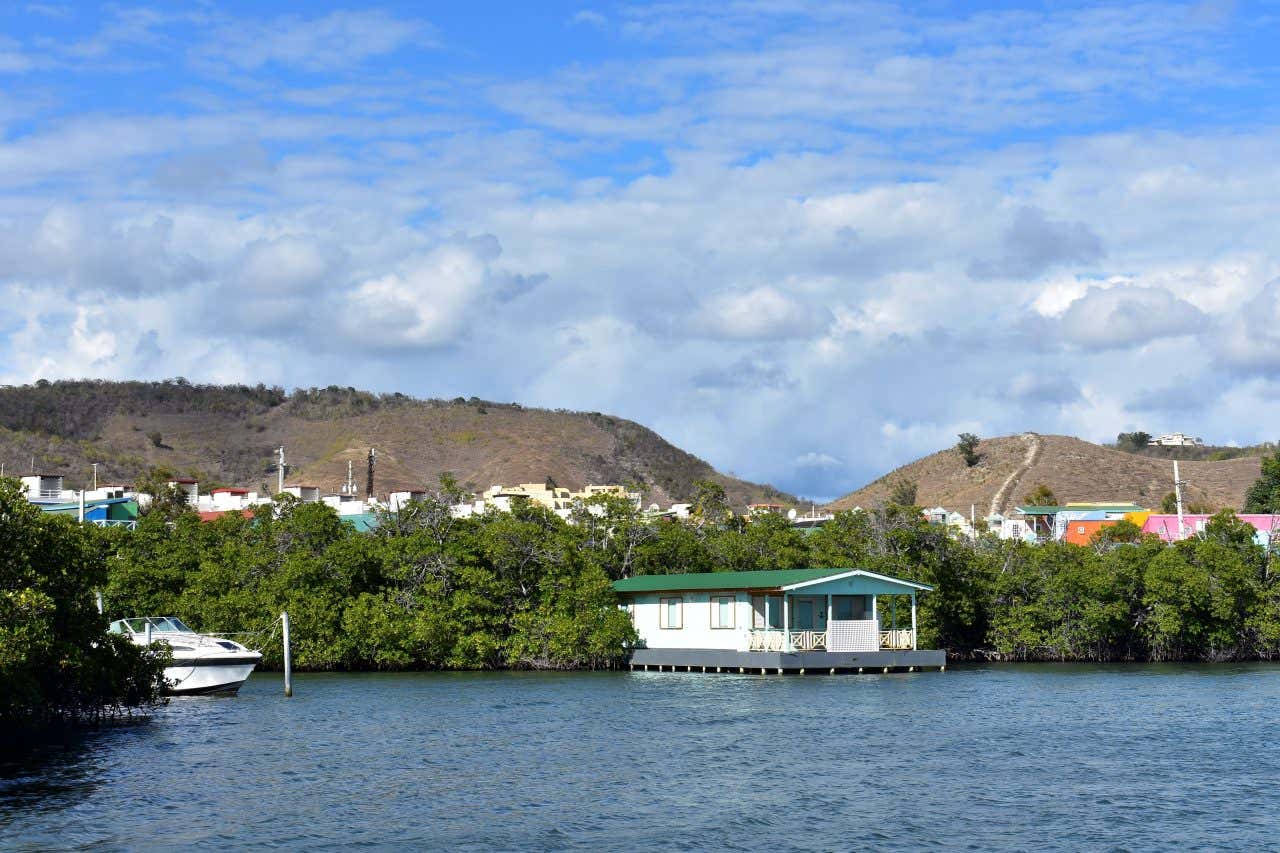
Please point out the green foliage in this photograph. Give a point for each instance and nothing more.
(1169, 505)
(710, 504)
(1041, 495)
(1123, 532)
(79, 408)
(902, 492)
(58, 665)
(527, 589)
(427, 590)
(1264, 494)
(166, 499)
(1133, 441)
(967, 447)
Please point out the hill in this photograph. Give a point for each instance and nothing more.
(227, 435)
(1075, 470)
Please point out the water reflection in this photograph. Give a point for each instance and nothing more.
(51, 773)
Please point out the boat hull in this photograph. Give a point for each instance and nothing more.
(205, 676)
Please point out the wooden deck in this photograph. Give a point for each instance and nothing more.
(772, 662)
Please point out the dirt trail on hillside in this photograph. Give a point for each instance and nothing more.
(1033, 455)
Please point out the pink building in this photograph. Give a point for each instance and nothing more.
(1166, 526)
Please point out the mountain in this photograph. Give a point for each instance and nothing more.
(228, 435)
(1075, 470)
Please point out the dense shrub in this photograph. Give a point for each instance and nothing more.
(58, 665)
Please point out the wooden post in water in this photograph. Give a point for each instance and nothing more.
(288, 657)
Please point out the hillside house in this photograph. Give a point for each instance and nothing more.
(1049, 523)
(396, 500)
(1166, 526)
(306, 494)
(104, 512)
(1081, 530)
(188, 487)
(45, 487)
(1176, 439)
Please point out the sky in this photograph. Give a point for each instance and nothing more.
(808, 242)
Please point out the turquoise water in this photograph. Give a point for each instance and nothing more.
(1028, 757)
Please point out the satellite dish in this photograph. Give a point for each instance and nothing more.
(791, 513)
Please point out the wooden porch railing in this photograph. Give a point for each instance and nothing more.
(896, 640)
(765, 640)
(809, 641)
(772, 640)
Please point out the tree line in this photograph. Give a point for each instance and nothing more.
(527, 589)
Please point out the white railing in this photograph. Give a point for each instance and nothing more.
(776, 640)
(765, 640)
(897, 640)
(809, 641)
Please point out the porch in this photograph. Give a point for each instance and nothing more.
(776, 640)
(813, 620)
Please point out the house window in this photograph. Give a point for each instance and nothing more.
(766, 611)
(722, 611)
(848, 607)
(670, 613)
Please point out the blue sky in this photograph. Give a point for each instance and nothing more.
(806, 241)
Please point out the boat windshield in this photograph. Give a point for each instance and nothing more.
(159, 624)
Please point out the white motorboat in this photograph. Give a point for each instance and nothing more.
(202, 663)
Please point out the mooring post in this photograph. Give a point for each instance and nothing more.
(288, 656)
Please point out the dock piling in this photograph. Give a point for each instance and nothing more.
(288, 655)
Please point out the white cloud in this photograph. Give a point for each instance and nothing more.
(429, 301)
(759, 314)
(589, 17)
(337, 40)
(1126, 316)
(1250, 336)
(815, 459)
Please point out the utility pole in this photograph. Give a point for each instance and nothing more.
(95, 476)
(1177, 493)
(368, 486)
(280, 470)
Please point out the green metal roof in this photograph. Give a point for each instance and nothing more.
(1054, 510)
(766, 579)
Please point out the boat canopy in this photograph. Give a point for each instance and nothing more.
(159, 625)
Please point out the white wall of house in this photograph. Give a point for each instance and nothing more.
(696, 620)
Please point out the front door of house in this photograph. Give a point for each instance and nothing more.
(804, 614)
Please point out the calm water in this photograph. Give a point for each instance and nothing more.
(1039, 757)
